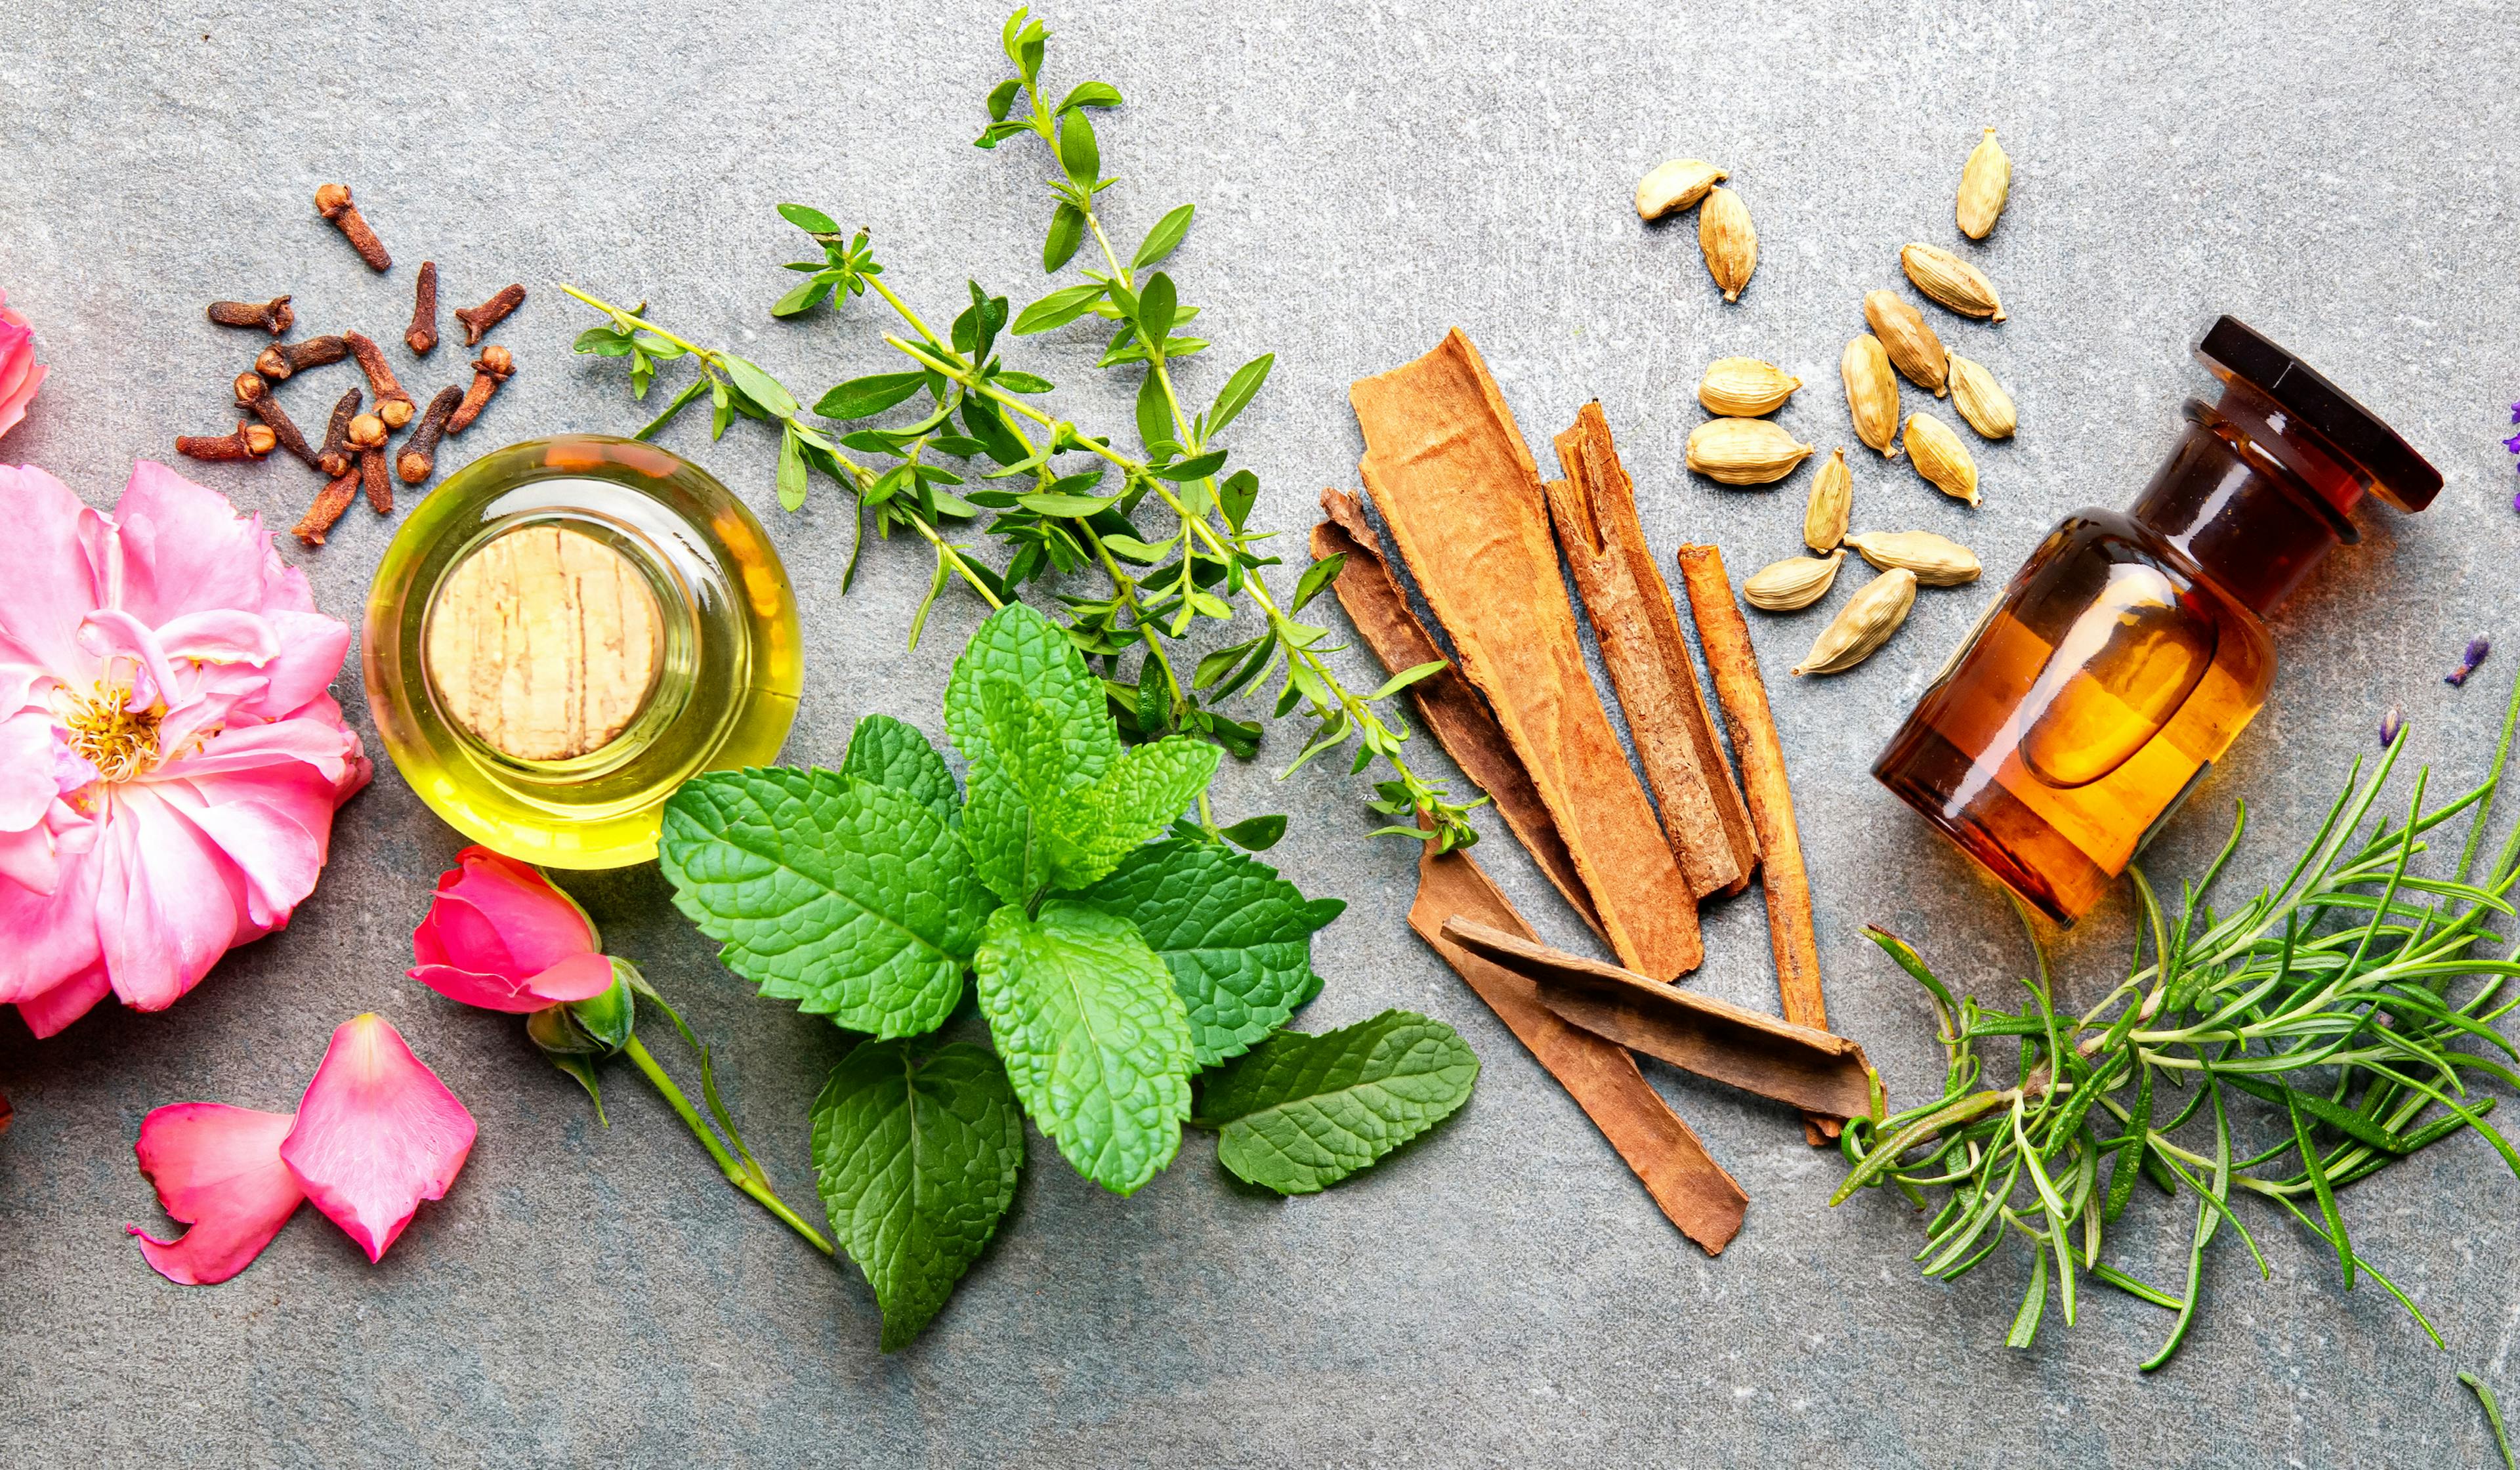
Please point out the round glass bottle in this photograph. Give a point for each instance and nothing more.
(564, 632)
(2130, 648)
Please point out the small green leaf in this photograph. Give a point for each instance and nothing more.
(1066, 233)
(1094, 1038)
(764, 390)
(1240, 492)
(1048, 504)
(1058, 309)
(791, 469)
(1196, 468)
(1161, 241)
(811, 220)
(1002, 98)
(604, 342)
(1317, 577)
(1021, 383)
(1237, 393)
(1155, 302)
(1154, 709)
(1236, 937)
(1255, 835)
(887, 752)
(866, 397)
(1092, 94)
(1303, 1112)
(916, 1154)
(1407, 677)
(1131, 549)
(1155, 415)
(807, 294)
(854, 900)
(1078, 152)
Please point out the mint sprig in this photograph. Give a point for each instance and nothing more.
(1110, 961)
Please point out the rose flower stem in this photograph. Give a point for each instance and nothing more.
(735, 1173)
(1734, 665)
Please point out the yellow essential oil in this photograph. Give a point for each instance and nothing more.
(566, 631)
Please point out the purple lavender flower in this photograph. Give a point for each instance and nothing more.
(2512, 444)
(2477, 649)
(2391, 725)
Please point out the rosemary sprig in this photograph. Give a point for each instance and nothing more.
(966, 408)
(2325, 1001)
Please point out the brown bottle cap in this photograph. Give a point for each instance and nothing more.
(2343, 429)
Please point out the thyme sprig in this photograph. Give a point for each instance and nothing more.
(2328, 1000)
(957, 409)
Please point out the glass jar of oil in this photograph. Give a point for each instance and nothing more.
(567, 629)
(2131, 649)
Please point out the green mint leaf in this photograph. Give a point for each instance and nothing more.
(916, 1153)
(1163, 239)
(1235, 395)
(791, 469)
(809, 220)
(885, 752)
(1094, 1038)
(1157, 301)
(1255, 835)
(1092, 94)
(1002, 98)
(1078, 152)
(1302, 1112)
(856, 900)
(1058, 309)
(1236, 937)
(1091, 828)
(763, 390)
(1033, 653)
(1066, 233)
(866, 397)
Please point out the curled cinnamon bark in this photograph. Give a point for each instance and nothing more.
(1694, 1190)
(1735, 666)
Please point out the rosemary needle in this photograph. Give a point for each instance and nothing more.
(2493, 1416)
(2319, 1019)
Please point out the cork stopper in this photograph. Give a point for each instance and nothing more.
(544, 643)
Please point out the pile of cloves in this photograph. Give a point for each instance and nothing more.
(354, 456)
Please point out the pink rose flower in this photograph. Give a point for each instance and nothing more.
(20, 374)
(500, 937)
(170, 759)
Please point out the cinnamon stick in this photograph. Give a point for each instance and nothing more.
(1459, 490)
(1450, 710)
(1594, 509)
(1692, 1189)
(1757, 1053)
(1735, 666)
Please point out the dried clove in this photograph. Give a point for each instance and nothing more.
(374, 479)
(280, 360)
(478, 320)
(333, 499)
(333, 202)
(366, 431)
(492, 368)
(393, 405)
(420, 451)
(2477, 649)
(334, 457)
(421, 336)
(250, 441)
(274, 316)
(253, 395)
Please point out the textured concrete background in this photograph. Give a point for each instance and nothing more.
(1366, 176)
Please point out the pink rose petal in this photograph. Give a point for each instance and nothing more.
(577, 978)
(45, 1014)
(377, 1133)
(217, 1169)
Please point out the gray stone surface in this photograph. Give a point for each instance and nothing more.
(2339, 175)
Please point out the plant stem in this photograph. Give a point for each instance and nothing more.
(735, 1173)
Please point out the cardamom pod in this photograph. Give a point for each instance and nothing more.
(1794, 583)
(1833, 498)
(1675, 185)
(1981, 400)
(1911, 344)
(1731, 247)
(1871, 393)
(1986, 181)
(1940, 458)
(1937, 560)
(1863, 625)
(1743, 451)
(1745, 388)
(1951, 280)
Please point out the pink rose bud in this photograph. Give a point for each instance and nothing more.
(500, 937)
(20, 374)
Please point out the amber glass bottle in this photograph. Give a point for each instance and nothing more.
(2130, 647)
